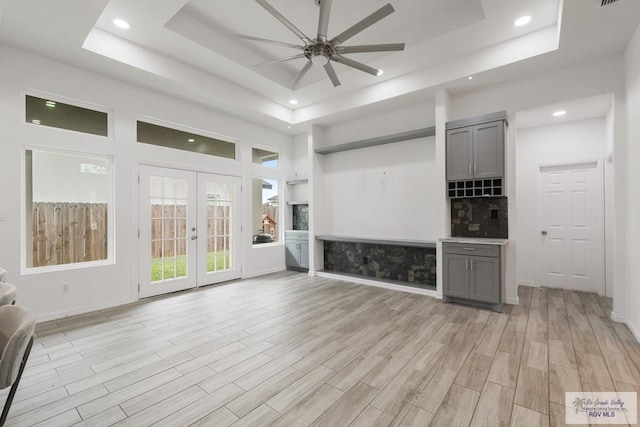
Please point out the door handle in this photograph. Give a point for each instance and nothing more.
(194, 237)
(543, 232)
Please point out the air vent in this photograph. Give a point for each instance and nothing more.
(604, 3)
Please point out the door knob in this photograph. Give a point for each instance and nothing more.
(543, 232)
(194, 237)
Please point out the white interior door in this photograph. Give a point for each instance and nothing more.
(189, 230)
(219, 228)
(569, 226)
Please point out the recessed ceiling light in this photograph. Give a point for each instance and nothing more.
(559, 113)
(191, 140)
(470, 77)
(380, 72)
(523, 20)
(288, 127)
(293, 101)
(50, 104)
(35, 121)
(121, 23)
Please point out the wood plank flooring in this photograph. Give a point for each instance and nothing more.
(292, 350)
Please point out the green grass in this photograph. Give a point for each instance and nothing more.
(167, 270)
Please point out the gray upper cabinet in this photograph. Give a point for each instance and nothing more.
(459, 153)
(475, 152)
(488, 150)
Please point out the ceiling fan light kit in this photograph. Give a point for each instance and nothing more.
(321, 51)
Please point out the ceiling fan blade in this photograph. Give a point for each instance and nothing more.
(300, 75)
(332, 74)
(323, 22)
(275, 61)
(390, 47)
(277, 43)
(284, 21)
(355, 64)
(362, 25)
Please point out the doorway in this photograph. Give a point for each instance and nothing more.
(569, 225)
(189, 229)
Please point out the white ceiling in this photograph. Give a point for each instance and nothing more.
(188, 48)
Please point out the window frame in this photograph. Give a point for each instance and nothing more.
(265, 148)
(70, 101)
(197, 131)
(280, 231)
(111, 210)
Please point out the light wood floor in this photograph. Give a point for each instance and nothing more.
(287, 349)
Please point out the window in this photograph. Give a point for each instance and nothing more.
(68, 208)
(149, 133)
(264, 157)
(266, 212)
(47, 112)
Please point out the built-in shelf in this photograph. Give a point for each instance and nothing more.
(390, 242)
(298, 202)
(372, 142)
(298, 181)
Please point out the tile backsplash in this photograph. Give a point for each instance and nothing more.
(480, 217)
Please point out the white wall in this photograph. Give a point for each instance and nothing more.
(632, 296)
(93, 288)
(382, 191)
(568, 143)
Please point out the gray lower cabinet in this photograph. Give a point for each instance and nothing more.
(472, 273)
(297, 250)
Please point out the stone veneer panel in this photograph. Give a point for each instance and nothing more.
(480, 217)
(414, 265)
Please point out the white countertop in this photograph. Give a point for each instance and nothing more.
(475, 240)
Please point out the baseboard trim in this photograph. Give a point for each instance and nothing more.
(529, 284)
(379, 284)
(617, 318)
(513, 301)
(264, 272)
(57, 315)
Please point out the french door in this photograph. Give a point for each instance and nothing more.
(189, 229)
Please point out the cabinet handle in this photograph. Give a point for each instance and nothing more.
(466, 264)
(471, 264)
(469, 249)
(470, 173)
(475, 169)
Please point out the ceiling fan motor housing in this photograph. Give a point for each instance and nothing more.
(319, 53)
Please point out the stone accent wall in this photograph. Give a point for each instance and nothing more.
(300, 217)
(480, 217)
(412, 265)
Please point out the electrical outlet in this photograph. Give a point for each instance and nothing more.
(65, 288)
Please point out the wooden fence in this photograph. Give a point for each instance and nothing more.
(174, 240)
(65, 233)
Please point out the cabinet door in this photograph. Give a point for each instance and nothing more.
(456, 276)
(488, 150)
(304, 254)
(485, 279)
(459, 153)
(292, 253)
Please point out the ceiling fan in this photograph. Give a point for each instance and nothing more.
(322, 50)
